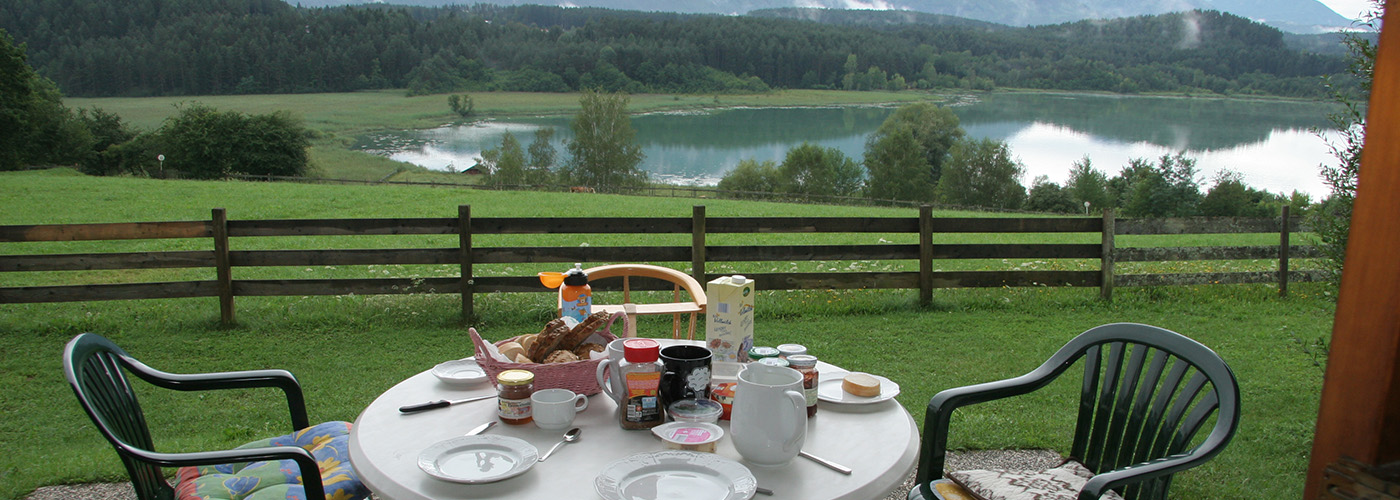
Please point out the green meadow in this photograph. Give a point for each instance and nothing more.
(348, 349)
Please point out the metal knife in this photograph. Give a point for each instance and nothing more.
(441, 403)
(829, 464)
(481, 428)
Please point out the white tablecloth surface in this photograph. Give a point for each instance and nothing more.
(878, 441)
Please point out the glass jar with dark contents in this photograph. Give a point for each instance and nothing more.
(806, 364)
(514, 388)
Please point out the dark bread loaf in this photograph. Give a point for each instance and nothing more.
(548, 340)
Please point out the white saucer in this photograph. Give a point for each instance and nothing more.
(478, 459)
(460, 372)
(829, 390)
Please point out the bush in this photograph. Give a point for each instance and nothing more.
(205, 143)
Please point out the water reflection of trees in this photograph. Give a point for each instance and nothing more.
(1177, 123)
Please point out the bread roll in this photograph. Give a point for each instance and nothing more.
(560, 356)
(583, 350)
(527, 341)
(510, 349)
(861, 384)
(523, 359)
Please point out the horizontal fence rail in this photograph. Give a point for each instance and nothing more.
(698, 253)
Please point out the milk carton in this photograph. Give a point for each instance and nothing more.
(729, 318)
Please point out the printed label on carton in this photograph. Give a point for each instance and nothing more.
(729, 318)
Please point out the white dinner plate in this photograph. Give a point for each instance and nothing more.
(478, 459)
(675, 475)
(460, 372)
(829, 390)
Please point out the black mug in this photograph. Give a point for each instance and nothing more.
(687, 373)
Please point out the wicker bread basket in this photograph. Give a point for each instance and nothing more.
(578, 376)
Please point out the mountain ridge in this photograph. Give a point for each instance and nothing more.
(1293, 16)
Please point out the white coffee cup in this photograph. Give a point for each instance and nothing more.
(612, 384)
(555, 408)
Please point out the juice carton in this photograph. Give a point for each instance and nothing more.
(729, 318)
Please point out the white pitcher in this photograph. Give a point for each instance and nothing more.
(769, 419)
(612, 383)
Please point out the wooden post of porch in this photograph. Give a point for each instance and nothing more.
(1359, 414)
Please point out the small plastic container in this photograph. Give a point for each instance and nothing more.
(705, 411)
(773, 362)
(723, 393)
(785, 350)
(762, 352)
(689, 436)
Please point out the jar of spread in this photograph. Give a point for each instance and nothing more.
(641, 378)
(806, 364)
(513, 390)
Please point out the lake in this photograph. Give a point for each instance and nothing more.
(1272, 144)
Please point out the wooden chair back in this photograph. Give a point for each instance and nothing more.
(679, 281)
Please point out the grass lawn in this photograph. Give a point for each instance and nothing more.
(347, 350)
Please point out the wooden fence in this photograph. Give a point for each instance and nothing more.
(698, 254)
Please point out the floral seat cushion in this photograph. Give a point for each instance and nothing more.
(279, 480)
(1059, 483)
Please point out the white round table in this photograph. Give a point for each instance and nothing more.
(879, 441)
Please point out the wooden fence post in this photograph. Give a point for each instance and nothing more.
(697, 243)
(1106, 260)
(1283, 255)
(925, 255)
(222, 268)
(464, 241)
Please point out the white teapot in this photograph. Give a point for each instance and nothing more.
(769, 419)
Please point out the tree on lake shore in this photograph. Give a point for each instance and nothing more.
(982, 173)
(905, 156)
(1332, 221)
(605, 150)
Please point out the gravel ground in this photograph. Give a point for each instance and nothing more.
(991, 459)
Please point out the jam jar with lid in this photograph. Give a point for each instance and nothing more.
(806, 364)
(513, 390)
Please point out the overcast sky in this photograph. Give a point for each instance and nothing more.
(1351, 9)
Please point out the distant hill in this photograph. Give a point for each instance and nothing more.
(209, 47)
(872, 18)
(1294, 16)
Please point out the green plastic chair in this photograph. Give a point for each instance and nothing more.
(95, 368)
(1146, 393)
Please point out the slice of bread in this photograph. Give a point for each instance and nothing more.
(861, 384)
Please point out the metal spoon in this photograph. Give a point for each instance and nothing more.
(569, 437)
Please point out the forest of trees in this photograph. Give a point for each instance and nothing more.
(197, 47)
